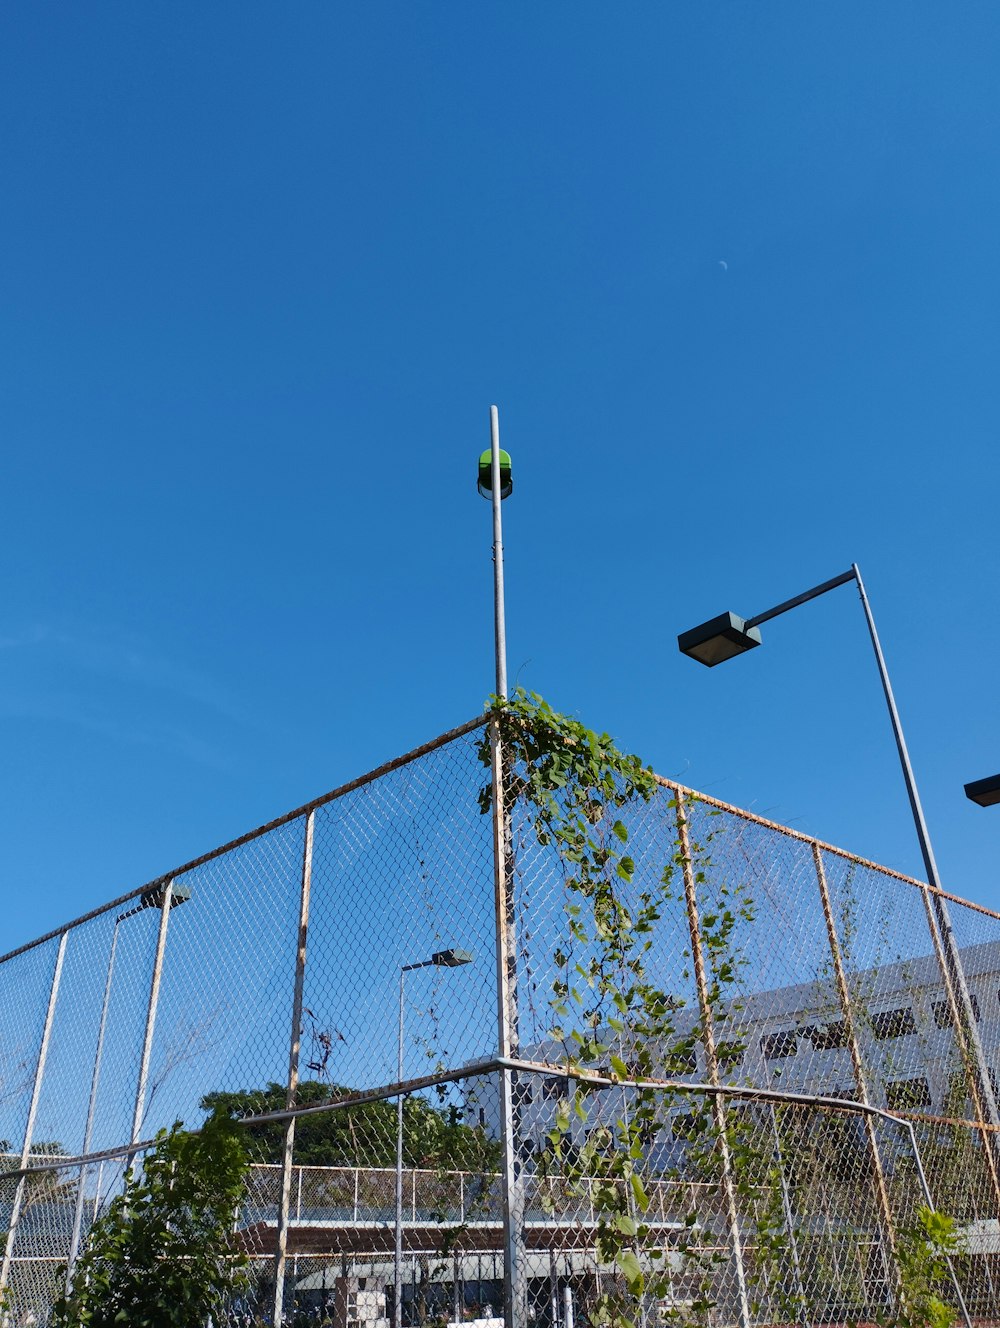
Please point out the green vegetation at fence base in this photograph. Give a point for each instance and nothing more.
(364, 1135)
(163, 1255)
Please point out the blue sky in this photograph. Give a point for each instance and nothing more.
(730, 271)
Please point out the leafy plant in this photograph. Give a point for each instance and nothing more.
(923, 1251)
(163, 1254)
(573, 785)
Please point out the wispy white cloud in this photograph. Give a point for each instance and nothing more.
(60, 709)
(118, 657)
(113, 653)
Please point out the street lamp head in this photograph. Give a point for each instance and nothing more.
(485, 484)
(153, 898)
(719, 639)
(452, 958)
(984, 791)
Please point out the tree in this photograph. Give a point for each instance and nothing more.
(361, 1136)
(163, 1254)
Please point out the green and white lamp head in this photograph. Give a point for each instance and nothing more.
(485, 484)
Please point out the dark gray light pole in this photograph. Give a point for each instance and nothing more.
(729, 635)
(442, 959)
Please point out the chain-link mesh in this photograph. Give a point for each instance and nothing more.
(822, 1073)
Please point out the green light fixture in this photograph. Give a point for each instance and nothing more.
(486, 475)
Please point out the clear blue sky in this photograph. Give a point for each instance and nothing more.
(730, 272)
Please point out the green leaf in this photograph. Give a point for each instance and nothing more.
(628, 1264)
(639, 1192)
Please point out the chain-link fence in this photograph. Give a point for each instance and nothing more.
(820, 1075)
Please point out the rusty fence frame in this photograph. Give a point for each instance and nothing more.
(507, 1064)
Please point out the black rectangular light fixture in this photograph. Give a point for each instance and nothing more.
(984, 791)
(452, 958)
(719, 639)
(153, 898)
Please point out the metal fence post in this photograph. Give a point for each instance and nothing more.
(969, 1061)
(88, 1131)
(515, 1285)
(929, 1198)
(711, 1059)
(846, 1010)
(154, 998)
(789, 1216)
(281, 1249)
(29, 1127)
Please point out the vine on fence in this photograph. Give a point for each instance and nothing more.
(573, 784)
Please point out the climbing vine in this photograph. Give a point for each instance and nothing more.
(608, 1013)
(572, 790)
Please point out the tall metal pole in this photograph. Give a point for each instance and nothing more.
(295, 1042)
(29, 1128)
(967, 1059)
(888, 1246)
(398, 1285)
(515, 1283)
(952, 955)
(499, 622)
(154, 998)
(88, 1132)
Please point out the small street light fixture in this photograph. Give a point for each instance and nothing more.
(984, 791)
(453, 958)
(449, 959)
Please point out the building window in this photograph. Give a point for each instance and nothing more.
(681, 1060)
(555, 1086)
(942, 1011)
(729, 1054)
(825, 1037)
(523, 1093)
(777, 1045)
(907, 1094)
(685, 1126)
(893, 1023)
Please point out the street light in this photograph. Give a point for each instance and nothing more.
(453, 958)
(984, 791)
(151, 898)
(729, 635)
(495, 483)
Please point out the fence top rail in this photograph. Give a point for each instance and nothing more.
(844, 853)
(425, 749)
(395, 764)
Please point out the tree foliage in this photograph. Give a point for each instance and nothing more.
(365, 1135)
(163, 1254)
